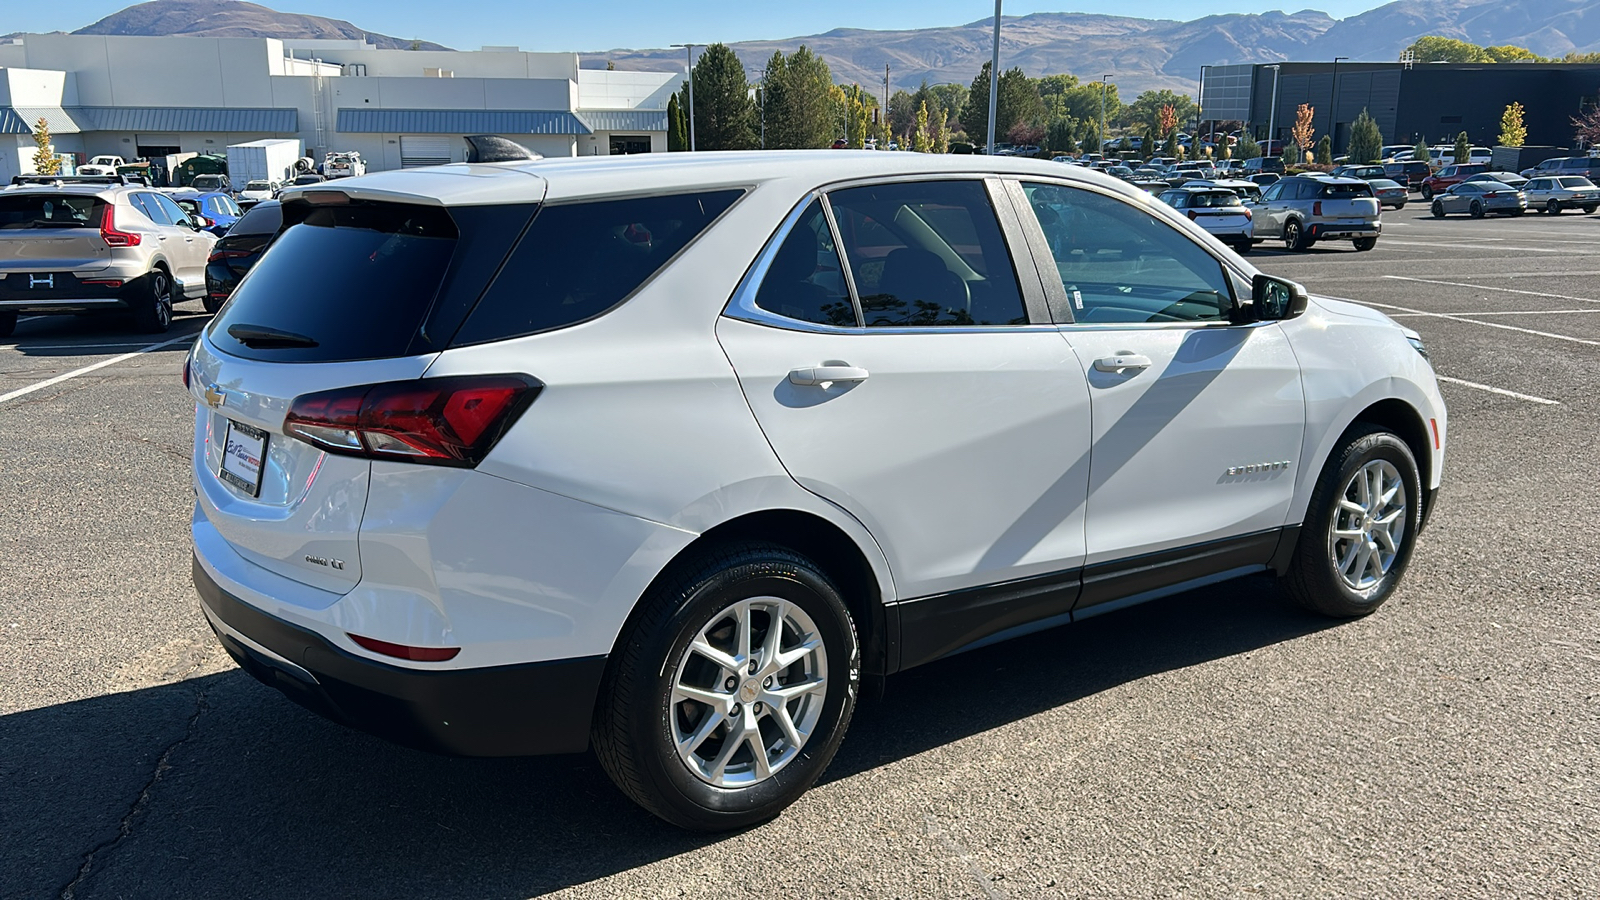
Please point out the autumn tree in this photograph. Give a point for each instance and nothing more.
(1586, 126)
(856, 105)
(45, 161)
(1303, 133)
(1513, 133)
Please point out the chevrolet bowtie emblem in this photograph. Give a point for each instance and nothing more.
(215, 395)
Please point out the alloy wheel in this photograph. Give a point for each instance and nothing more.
(163, 292)
(1368, 525)
(748, 692)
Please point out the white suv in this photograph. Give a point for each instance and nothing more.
(671, 455)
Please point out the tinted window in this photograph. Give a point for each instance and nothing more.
(1211, 199)
(264, 218)
(1120, 264)
(927, 253)
(175, 216)
(1573, 181)
(20, 211)
(580, 260)
(356, 278)
(1344, 191)
(805, 280)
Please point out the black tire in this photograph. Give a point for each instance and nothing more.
(1553, 207)
(1437, 209)
(1294, 236)
(8, 324)
(212, 304)
(1427, 192)
(152, 303)
(1243, 247)
(1475, 210)
(1312, 580)
(1517, 213)
(1366, 243)
(1589, 210)
(634, 722)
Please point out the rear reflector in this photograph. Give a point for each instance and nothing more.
(103, 282)
(438, 421)
(401, 651)
(1435, 424)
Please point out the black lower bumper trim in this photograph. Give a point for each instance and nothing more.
(520, 710)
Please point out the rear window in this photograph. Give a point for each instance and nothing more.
(1214, 199)
(261, 219)
(1345, 191)
(1572, 181)
(54, 210)
(580, 260)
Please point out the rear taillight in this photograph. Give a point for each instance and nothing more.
(109, 232)
(227, 254)
(1316, 208)
(1248, 214)
(187, 357)
(438, 421)
(1192, 214)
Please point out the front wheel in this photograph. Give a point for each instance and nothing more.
(1427, 192)
(1294, 236)
(731, 691)
(1361, 526)
(1366, 243)
(1243, 247)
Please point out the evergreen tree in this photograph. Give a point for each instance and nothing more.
(1366, 142)
(45, 161)
(1513, 133)
(724, 114)
(902, 115)
(975, 114)
(1292, 155)
(677, 127)
(1420, 151)
(939, 134)
(1248, 148)
(1061, 136)
(1325, 151)
(800, 102)
(1463, 151)
(1019, 103)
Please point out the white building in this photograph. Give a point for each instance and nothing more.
(153, 96)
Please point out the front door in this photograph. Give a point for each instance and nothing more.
(1197, 422)
(926, 402)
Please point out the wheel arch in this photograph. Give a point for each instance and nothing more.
(1403, 419)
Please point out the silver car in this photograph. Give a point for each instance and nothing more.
(1480, 198)
(86, 248)
(1304, 209)
(1554, 193)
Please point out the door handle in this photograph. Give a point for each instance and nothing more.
(1121, 361)
(815, 375)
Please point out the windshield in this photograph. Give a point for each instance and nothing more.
(258, 186)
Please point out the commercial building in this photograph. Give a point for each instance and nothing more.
(153, 96)
(1421, 101)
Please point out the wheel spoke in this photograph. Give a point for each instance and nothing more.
(1348, 534)
(783, 693)
(1386, 540)
(774, 638)
(692, 743)
(789, 657)
(1349, 559)
(758, 753)
(780, 714)
(729, 747)
(727, 662)
(714, 699)
(1351, 507)
(1363, 560)
(742, 642)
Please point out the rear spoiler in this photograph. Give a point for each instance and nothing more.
(80, 179)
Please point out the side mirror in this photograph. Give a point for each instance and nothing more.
(199, 223)
(1276, 300)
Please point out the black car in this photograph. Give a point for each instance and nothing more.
(239, 249)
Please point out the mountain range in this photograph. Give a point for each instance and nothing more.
(1139, 54)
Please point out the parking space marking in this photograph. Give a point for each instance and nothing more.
(1483, 245)
(41, 385)
(1518, 312)
(90, 347)
(1434, 315)
(1486, 287)
(1501, 391)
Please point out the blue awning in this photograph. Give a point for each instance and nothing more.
(624, 119)
(21, 119)
(459, 121)
(185, 118)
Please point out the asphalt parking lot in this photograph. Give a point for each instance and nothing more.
(1218, 743)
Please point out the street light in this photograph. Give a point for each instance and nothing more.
(1333, 103)
(1272, 116)
(1103, 114)
(994, 77)
(1200, 101)
(688, 52)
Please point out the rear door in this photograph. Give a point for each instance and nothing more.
(928, 402)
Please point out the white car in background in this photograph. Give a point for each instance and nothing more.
(256, 191)
(672, 456)
(1219, 210)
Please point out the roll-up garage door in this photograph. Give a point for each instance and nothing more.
(426, 151)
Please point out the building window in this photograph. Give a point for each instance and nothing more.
(624, 144)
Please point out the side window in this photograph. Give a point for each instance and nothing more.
(927, 253)
(1272, 193)
(579, 260)
(805, 280)
(175, 216)
(1120, 264)
(146, 204)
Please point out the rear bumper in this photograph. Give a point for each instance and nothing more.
(518, 710)
(1333, 231)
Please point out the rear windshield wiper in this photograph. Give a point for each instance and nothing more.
(261, 337)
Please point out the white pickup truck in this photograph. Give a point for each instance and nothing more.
(346, 164)
(101, 165)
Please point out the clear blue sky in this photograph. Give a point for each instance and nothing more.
(608, 24)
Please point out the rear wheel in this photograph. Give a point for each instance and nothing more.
(8, 323)
(1589, 210)
(1366, 243)
(1243, 247)
(152, 308)
(1437, 209)
(731, 691)
(1553, 207)
(1476, 210)
(1360, 528)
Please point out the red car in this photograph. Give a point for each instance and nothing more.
(1448, 177)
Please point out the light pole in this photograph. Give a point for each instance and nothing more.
(1333, 103)
(1102, 138)
(1272, 115)
(1200, 101)
(688, 52)
(994, 77)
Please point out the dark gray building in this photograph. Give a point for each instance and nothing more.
(1428, 101)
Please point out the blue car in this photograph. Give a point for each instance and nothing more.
(216, 206)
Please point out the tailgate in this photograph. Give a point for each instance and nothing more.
(51, 249)
(1353, 208)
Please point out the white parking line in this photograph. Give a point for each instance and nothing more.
(1484, 245)
(1501, 391)
(89, 347)
(1434, 315)
(1485, 287)
(1518, 312)
(41, 385)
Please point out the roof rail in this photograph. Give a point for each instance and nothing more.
(75, 179)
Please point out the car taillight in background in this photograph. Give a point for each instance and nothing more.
(451, 421)
(217, 255)
(109, 232)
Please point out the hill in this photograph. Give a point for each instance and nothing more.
(236, 18)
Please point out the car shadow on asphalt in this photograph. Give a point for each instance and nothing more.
(218, 786)
(58, 336)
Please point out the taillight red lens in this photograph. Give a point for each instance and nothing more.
(227, 254)
(109, 232)
(1248, 214)
(440, 421)
(1316, 208)
(402, 651)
